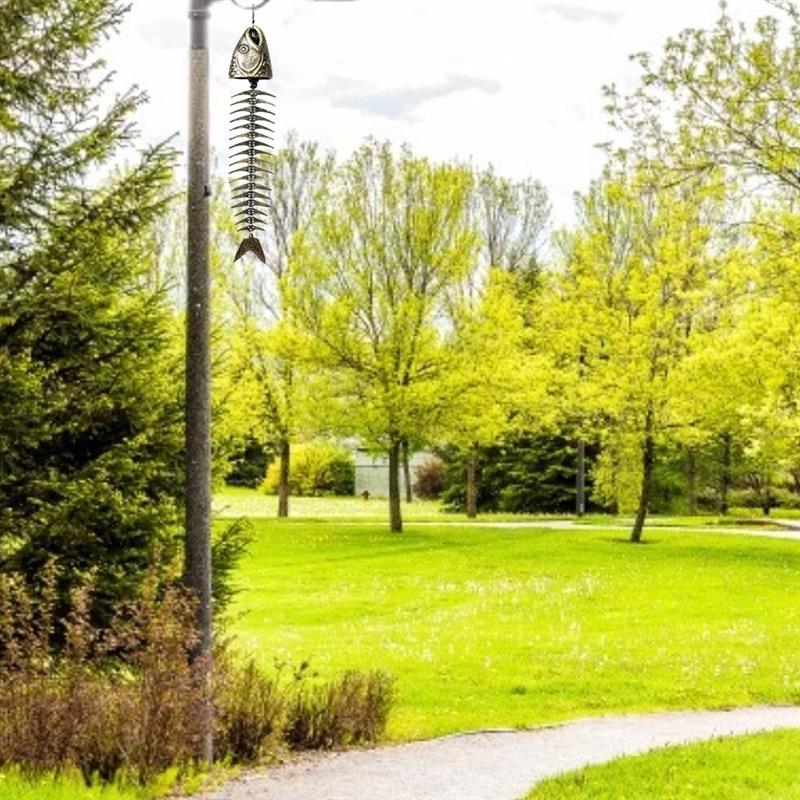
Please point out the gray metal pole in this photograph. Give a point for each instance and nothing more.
(198, 358)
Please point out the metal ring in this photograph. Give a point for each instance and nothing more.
(250, 6)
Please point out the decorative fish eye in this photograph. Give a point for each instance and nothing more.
(243, 48)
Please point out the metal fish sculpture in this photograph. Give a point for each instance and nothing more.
(252, 141)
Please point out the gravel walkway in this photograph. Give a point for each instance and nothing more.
(502, 765)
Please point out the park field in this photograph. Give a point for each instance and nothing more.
(514, 627)
(762, 767)
(71, 787)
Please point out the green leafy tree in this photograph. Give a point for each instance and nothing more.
(489, 371)
(263, 385)
(730, 94)
(372, 275)
(90, 431)
(643, 280)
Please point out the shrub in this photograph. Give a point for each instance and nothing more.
(247, 464)
(128, 703)
(250, 711)
(316, 468)
(429, 479)
(104, 703)
(351, 710)
(521, 473)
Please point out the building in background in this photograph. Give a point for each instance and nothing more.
(372, 472)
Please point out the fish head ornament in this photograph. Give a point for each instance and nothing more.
(251, 56)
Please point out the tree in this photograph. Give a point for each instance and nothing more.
(489, 371)
(370, 286)
(264, 348)
(731, 99)
(90, 416)
(642, 278)
(512, 219)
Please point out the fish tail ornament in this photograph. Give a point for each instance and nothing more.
(251, 149)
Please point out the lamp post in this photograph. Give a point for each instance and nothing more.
(197, 552)
(197, 566)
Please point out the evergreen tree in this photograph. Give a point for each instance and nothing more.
(90, 434)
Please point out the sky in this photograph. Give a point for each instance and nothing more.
(514, 83)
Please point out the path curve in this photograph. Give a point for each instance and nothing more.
(502, 765)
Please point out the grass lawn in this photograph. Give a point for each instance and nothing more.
(762, 767)
(13, 787)
(233, 501)
(514, 627)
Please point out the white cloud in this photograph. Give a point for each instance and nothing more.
(513, 82)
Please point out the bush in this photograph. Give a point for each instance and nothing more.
(257, 712)
(250, 711)
(316, 468)
(521, 473)
(351, 710)
(126, 702)
(429, 479)
(247, 464)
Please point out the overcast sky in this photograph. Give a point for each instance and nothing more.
(513, 82)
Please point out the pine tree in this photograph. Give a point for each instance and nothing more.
(90, 434)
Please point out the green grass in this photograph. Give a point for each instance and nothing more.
(515, 627)
(232, 502)
(762, 767)
(239, 502)
(14, 787)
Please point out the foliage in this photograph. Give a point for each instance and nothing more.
(429, 479)
(756, 767)
(125, 704)
(729, 91)
(315, 468)
(121, 702)
(350, 710)
(229, 544)
(247, 464)
(251, 710)
(90, 412)
(522, 473)
(371, 281)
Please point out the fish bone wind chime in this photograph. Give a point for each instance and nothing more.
(252, 120)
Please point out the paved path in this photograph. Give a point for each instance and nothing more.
(785, 531)
(492, 766)
(789, 529)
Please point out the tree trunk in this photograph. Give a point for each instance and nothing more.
(407, 471)
(648, 457)
(725, 482)
(472, 484)
(691, 481)
(580, 480)
(395, 514)
(283, 478)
